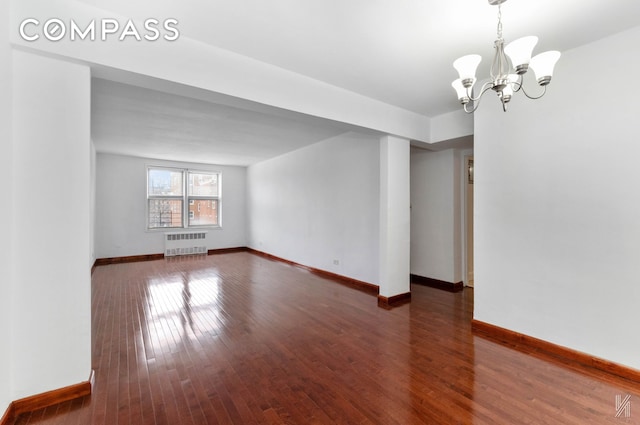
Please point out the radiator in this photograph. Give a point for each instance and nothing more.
(185, 243)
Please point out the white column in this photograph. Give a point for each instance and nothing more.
(51, 293)
(394, 216)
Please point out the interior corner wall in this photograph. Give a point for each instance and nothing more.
(121, 227)
(557, 207)
(318, 206)
(436, 241)
(51, 285)
(6, 212)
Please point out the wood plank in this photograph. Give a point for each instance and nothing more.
(238, 338)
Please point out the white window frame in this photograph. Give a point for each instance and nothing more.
(186, 198)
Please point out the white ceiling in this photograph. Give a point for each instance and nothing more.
(137, 121)
(396, 51)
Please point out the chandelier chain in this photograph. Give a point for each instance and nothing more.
(499, 30)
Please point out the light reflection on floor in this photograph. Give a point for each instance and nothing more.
(181, 307)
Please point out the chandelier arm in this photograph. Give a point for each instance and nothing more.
(476, 101)
(517, 85)
(485, 87)
(544, 90)
(475, 106)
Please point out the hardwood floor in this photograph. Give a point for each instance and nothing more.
(241, 339)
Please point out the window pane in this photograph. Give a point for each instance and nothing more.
(165, 213)
(202, 184)
(164, 182)
(203, 212)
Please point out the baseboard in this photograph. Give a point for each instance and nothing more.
(46, 399)
(227, 250)
(435, 283)
(153, 257)
(274, 258)
(566, 355)
(394, 301)
(369, 288)
(128, 259)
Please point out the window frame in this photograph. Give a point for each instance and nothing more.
(185, 198)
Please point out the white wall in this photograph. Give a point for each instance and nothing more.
(557, 207)
(51, 308)
(121, 207)
(319, 204)
(6, 212)
(436, 212)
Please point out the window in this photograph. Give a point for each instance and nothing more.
(178, 198)
(203, 199)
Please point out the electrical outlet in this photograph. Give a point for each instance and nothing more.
(336, 262)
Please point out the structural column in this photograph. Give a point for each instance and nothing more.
(395, 221)
(51, 254)
(6, 207)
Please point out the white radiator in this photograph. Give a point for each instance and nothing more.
(185, 243)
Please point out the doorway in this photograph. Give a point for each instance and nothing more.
(468, 206)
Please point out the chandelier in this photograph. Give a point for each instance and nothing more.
(504, 79)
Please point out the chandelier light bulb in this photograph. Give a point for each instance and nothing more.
(461, 91)
(519, 51)
(506, 93)
(543, 64)
(466, 67)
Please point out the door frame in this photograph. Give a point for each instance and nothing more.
(467, 220)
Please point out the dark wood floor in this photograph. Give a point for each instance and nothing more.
(240, 339)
